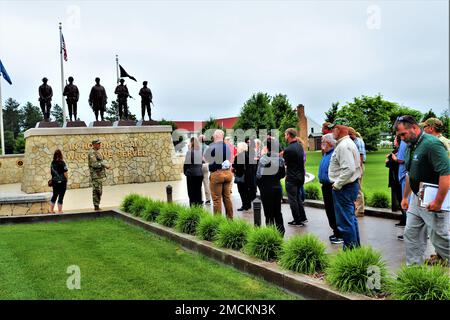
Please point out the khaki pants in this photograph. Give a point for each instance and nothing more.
(205, 171)
(359, 203)
(219, 183)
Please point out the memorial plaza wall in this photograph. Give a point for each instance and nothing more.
(136, 155)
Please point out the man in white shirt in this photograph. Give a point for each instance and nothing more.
(344, 172)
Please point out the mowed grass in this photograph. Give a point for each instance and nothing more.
(375, 177)
(117, 261)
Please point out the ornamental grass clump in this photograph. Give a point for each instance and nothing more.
(233, 234)
(264, 243)
(304, 254)
(188, 219)
(312, 192)
(379, 200)
(422, 283)
(128, 201)
(208, 227)
(169, 214)
(152, 210)
(358, 270)
(138, 206)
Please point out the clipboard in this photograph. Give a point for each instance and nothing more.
(428, 192)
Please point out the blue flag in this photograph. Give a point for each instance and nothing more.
(4, 73)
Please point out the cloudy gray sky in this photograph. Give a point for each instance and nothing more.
(206, 58)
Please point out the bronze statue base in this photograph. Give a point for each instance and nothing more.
(147, 123)
(105, 123)
(47, 124)
(75, 124)
(124, 123)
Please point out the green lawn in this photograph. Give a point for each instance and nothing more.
(375, 176)
(117, 261)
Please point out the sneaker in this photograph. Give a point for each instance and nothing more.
(400, 224)
(304, 221)
(241, 209)
(295, 223)
(336, 240)
(400, 237)
(208, 202)
(97, 208)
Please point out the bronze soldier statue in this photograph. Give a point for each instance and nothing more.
(147, 97)
(98, 99)
(72, 94)
(122, 96)
(45, 98)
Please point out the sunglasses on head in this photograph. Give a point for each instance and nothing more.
(407, 119)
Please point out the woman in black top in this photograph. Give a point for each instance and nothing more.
(193, 171)
(58, 170)
(240, 169)
(269, 173)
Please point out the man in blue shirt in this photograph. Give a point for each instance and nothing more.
(328, 144)
(400, 158)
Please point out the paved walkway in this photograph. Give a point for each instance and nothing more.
(380, 233)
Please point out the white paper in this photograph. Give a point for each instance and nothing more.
(430, 192)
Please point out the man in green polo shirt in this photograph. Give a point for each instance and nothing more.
(426, 160)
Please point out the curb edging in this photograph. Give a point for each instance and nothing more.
(297, 283)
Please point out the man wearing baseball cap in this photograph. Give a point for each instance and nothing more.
(344, 172)
(435, 127)
(97, 170)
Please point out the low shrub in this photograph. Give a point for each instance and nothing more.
(233, 234)
(379, 200)
(152, 210)
(169, 214)
(359, 270)
(422, 283)
(188, 219)
(304, 254)
(138, 206)
(312, 192)
(128, 201)
(208, 226)
(264, 243)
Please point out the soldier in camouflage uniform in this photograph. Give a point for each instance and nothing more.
(97, 168)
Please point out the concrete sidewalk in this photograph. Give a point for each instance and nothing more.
(380, 233)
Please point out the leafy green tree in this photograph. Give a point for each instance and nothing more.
(404, 111)
(112, 112)
(19, 144)
(57, 113)
(257, 113)
(29, 116)
(331, 114)
(429, 114)
(9, 142)
(211, 123)
(369, 116)
(282, 108)
(11, 118)
(446, 123)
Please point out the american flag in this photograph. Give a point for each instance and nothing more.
(63, 47)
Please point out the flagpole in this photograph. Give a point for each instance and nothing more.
(62, 75)
(1, 119)
(117, 68)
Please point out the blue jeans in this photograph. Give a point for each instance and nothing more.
(344, 207)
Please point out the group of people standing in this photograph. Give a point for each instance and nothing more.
(97, 99)
(252, 166)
